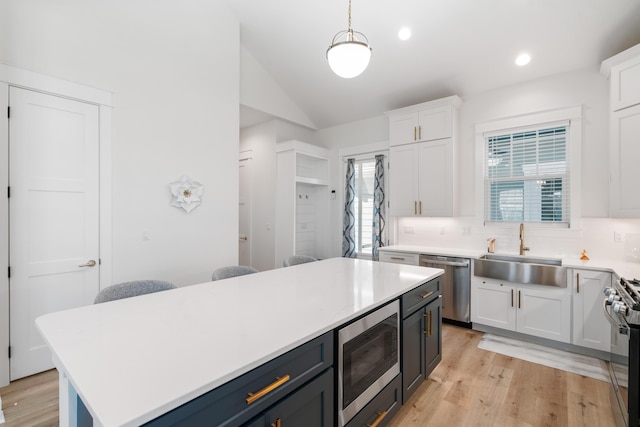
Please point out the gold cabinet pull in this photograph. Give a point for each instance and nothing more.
(511, 297)
(420, 204)
(578, 281)
(381, 416)
(278, 423)
(426, 295)
(415, 207)
(414, 133)
(419, 132)
(397, 258)
(268, 389)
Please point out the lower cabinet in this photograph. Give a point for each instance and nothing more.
(542, 311)
(591, 328)
(421, 338)
(381, 409)
(293, 385)
(310, 406)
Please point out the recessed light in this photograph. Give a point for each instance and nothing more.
(523, 59)
(404, 33)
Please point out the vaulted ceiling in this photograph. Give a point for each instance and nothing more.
(457, 47)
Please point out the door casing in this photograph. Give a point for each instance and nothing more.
(12, 76)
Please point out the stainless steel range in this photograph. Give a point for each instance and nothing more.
(621, 305)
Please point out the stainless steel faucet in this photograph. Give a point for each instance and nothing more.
(523, 248)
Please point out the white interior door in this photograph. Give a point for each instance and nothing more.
(53, 215)
(244, 248)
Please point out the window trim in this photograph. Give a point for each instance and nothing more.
(537, 120)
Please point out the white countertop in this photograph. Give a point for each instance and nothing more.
(134, 359)
(621, 268)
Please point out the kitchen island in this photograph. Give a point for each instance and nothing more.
(133, 360)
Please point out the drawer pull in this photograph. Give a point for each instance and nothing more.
(397, 258)
(268, 389)
(278, 423)
(426, 295)
(381, 416)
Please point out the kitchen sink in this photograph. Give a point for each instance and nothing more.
(521, 269)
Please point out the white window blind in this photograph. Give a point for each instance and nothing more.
(527, 175)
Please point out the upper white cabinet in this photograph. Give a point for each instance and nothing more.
(302, 200)
(623, 71)
(424, 122)
(421, 179)
(421, 166)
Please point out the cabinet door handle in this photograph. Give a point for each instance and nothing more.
(278, 423)
(268, 389)
(415, 207)
(511, 297)
(578, 282)
(420, 204)
(519, 300)
(378, 420)
(414, 133)
(419, 132)
(426, 295)
(397, 258)
(428, 316)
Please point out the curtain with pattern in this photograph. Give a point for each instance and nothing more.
(348, 218)
(377, 237)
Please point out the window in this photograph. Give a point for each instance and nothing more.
(528, 169)
(363, 205)
(527, 175)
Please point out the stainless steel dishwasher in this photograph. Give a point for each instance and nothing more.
(456, 286)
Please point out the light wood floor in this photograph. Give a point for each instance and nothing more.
(470, 387)
(473, 387)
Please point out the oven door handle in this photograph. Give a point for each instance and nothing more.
(623, 329)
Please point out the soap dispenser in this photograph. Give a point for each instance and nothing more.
(491, 247)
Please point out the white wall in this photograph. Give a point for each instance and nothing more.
(258, 90)
(261, 139)
(595, 233)
(354, 134)
(174, 70)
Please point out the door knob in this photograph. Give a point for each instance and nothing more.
(90, 263)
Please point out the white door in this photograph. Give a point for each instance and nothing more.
(244, 255)
(53, 216)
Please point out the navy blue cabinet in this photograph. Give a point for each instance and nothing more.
(421, 335)
(244, 399)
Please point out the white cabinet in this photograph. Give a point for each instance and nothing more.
(422, 139)
(625, 152)
(421, 179)
(426, 124)
(302, 200)
(541, 311)
(624, 128)
(590, 326)
(399, 257)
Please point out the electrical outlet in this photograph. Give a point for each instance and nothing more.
(618, 237)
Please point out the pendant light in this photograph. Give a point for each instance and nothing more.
(349, 52)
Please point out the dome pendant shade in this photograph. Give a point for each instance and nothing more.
(349, 53)
(348, 58)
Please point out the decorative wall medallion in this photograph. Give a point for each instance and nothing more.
(186, 192)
